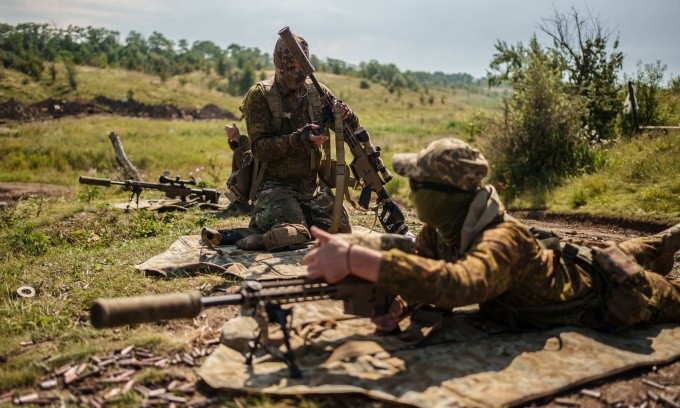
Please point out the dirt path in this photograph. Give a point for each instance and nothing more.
(10, 193)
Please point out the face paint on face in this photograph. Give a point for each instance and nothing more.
(288, 73)
(290, 77)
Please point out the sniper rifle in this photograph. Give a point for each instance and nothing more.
(172, 188)
(360, 298)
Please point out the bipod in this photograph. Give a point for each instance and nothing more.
(278, 315)
(136, 191)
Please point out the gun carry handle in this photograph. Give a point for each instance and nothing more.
(95, 181)
(145, 309)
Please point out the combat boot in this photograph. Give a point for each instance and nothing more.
(254, 242)
(212, 237)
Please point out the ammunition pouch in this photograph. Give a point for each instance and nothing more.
(284, 235)
(240, 181)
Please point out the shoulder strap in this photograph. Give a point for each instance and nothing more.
(314, 100)
(273, 101)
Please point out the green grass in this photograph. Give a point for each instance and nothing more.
(638, 180)
(77, 248)
(117, 83)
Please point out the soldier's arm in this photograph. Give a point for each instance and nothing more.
(266, 144)
(485, 273)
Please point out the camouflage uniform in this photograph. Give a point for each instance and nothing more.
(512, 275)
(290, 191)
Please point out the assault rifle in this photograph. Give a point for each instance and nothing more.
(360, 298)
(367, 166)
(172, 188)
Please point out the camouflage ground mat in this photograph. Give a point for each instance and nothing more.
(188, 255)
(437, 361)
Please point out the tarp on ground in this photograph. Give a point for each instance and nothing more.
(188, 255)
(437, 361)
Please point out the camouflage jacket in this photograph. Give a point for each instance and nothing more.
(505, 262)
(291, 160)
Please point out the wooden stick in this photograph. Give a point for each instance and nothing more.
(122, 159)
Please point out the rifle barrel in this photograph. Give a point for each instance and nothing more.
(144, 309)
(94, 181)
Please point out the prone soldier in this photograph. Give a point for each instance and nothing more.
(471, 251)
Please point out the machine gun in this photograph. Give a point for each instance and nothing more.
(367, 167)
(172, 188)
(360, 298)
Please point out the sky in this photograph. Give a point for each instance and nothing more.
(450, 36)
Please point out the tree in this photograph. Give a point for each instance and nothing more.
(582, 53)
(592, 68)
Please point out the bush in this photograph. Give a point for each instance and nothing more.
(541, 139)
(654, 108)
(364, 84)
(27, 239)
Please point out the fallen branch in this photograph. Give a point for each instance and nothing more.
(130, 170)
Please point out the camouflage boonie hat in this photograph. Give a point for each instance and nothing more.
(445, 161)
(283, 57)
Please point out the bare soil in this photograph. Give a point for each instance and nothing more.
(10, 193)
(57, 108)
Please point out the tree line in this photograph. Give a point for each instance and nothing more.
(30, 47)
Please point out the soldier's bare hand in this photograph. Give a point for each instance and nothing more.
(232, 132)
(328, 261)
(318, 140)
(313, 130)
(390, 322)
(342, 109)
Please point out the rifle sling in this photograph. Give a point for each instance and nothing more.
(258, 173)
(340, 177)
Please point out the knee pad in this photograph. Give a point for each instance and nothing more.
(284, 235)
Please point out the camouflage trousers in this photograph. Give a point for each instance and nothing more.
(277, 204)
(655, 254)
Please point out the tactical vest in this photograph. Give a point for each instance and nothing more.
(245, 181)
(271, 92)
